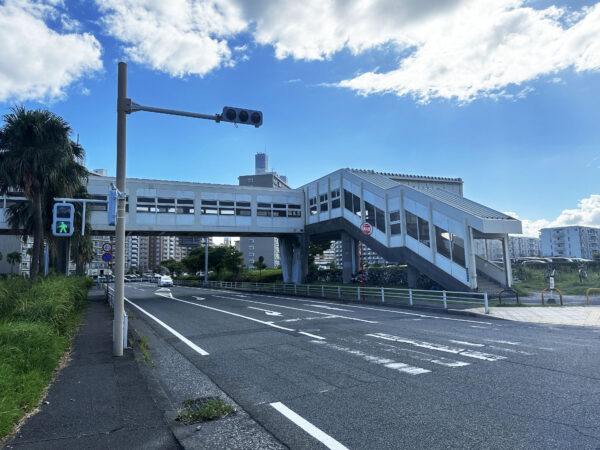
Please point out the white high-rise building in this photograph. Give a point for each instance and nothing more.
(570, 242)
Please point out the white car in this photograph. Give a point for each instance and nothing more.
(165, 280)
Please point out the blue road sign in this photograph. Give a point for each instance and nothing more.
(106, 257)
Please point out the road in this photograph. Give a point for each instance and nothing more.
(323, 374)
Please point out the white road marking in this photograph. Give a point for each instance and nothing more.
(440, 348)
(315, 432)
(311, 335)
(389, 363)
(470, 344)
(270, 324)
(503, 342)
(171, 330)
(475, 326)
(198, 298)
(268, 312)
(389, 310)
(510, 350)
(297, 319)
(297, 309)
(446, 362)
(329, 307)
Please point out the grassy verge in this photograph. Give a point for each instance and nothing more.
(144, 349)
(37, 321)
(201, 409)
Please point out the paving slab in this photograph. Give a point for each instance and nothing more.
(585, 316)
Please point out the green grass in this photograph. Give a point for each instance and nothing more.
(144, 349)
(37, 321)
(566, 279)
(202, 409)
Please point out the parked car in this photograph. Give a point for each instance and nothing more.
(165, 280)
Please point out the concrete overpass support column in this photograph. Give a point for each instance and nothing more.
(412, 276)
(286, 252)
(347, 257)
(300, 259)
(506, 257)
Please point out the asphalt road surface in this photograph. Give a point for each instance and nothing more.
(323, 374)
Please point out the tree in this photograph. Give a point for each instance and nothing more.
(13, 258)
(172, 266)
(233, 259)
(38, 157)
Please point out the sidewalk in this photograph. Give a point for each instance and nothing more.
(98, 401)
(587, 316)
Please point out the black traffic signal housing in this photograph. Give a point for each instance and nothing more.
(242, 115)
(63, 216)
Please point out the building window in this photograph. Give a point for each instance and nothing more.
(263, 212)
(412, 228)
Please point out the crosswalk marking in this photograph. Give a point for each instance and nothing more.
(386, 362)
(440, 348)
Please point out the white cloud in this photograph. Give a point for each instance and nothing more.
(452, 49)
(36, 62)
(179, 37)
(587, 214)
(449, 49)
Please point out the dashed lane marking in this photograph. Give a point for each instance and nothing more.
(308, 427)
(241, 316)
(470, 344)
(296, 309)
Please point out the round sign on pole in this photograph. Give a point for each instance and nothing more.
(107, 247)
(366, 228)
(106, 257)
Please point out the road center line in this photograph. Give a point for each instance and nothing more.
(297, 309)
(315, 432)
(171, 330)
(389, 310)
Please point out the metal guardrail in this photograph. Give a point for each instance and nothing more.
(587, 294)
(383, 295)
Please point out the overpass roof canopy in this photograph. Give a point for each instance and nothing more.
(389, 181)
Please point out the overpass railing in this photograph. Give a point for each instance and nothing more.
(357, 293)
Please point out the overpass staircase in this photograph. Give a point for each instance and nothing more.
(426, 224)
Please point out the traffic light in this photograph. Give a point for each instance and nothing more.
(241, 115)
(62, 219)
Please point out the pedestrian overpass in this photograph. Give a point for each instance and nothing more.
(423, 222)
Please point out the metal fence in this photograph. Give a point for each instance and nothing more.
(359, 293)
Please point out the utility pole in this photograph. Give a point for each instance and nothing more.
(120, 224)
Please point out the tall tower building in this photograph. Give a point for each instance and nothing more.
(261, 163)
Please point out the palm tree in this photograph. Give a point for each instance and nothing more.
(13, 258)
(38, 157)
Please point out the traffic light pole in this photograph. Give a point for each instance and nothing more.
(120, 225)
(126, 106)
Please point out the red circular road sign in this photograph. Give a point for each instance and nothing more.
(107, 247)
(106, 257)
(366, 228)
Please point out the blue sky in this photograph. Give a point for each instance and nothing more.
(502, 93)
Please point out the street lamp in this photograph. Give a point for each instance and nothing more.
(126, 106)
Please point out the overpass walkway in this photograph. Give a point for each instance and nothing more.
(424, 222)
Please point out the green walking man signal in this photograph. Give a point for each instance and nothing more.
(62, 219)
